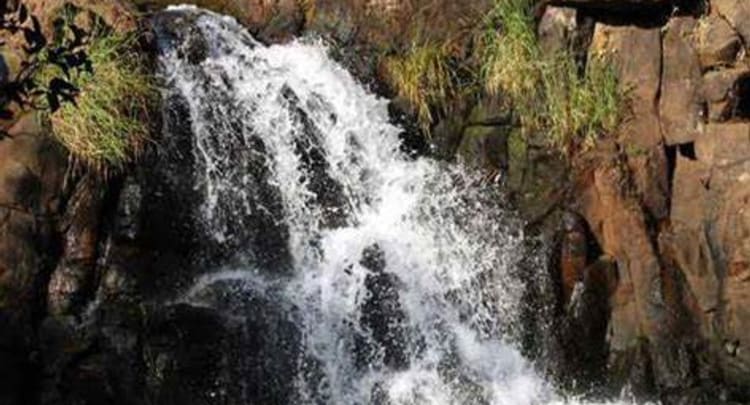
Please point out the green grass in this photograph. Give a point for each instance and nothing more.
(108, 127)
(551, 95)
(423, 78)
(579, 109)
(548, 92)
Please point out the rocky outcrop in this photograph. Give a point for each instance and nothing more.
(665, 199)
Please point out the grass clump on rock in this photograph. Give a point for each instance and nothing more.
(423, 78)
(550, 93)
(108, 126)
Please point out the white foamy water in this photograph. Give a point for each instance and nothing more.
(411, 294)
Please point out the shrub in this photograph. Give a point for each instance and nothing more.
(109, 124)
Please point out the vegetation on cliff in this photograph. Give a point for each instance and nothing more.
(108, 126)
(87, 81)
(550, 93)
(424, 78)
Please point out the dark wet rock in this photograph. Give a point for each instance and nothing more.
(574, 254)
(73, 282)
(382, 314)
(724, 91)
(484, 141)
(184, 354)
(176, 30)
(328, 192)
(583, 332)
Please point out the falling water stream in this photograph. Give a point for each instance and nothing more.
(399, 276)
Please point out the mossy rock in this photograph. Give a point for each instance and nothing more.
(485, 147)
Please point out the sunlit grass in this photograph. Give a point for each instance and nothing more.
(550, 93)
(423, 78)
(108, 126)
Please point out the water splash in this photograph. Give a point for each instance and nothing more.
(403, 275)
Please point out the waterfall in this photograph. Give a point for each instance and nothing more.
(367, 276)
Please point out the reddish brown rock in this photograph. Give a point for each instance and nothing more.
(724, 144)
(710, 244)
(32, 169)
(721, 89)
(681, 99)
(273, 20)
(737, 13)
(717, 42)
(637, 54)
(617, 221)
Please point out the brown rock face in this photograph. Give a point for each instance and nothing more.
(31, 175)
(668, 198)
(723, 90)
(709, 239)
(637, 55)
(681, 102)
(556, 28)
(737, 13)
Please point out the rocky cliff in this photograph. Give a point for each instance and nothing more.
(651, 225)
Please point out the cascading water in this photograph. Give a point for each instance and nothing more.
(392, 280)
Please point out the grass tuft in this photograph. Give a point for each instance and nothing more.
(423, 78)
(108, 126)
(550, 93)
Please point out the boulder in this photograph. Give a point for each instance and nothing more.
(717, 42)
(723, 91)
